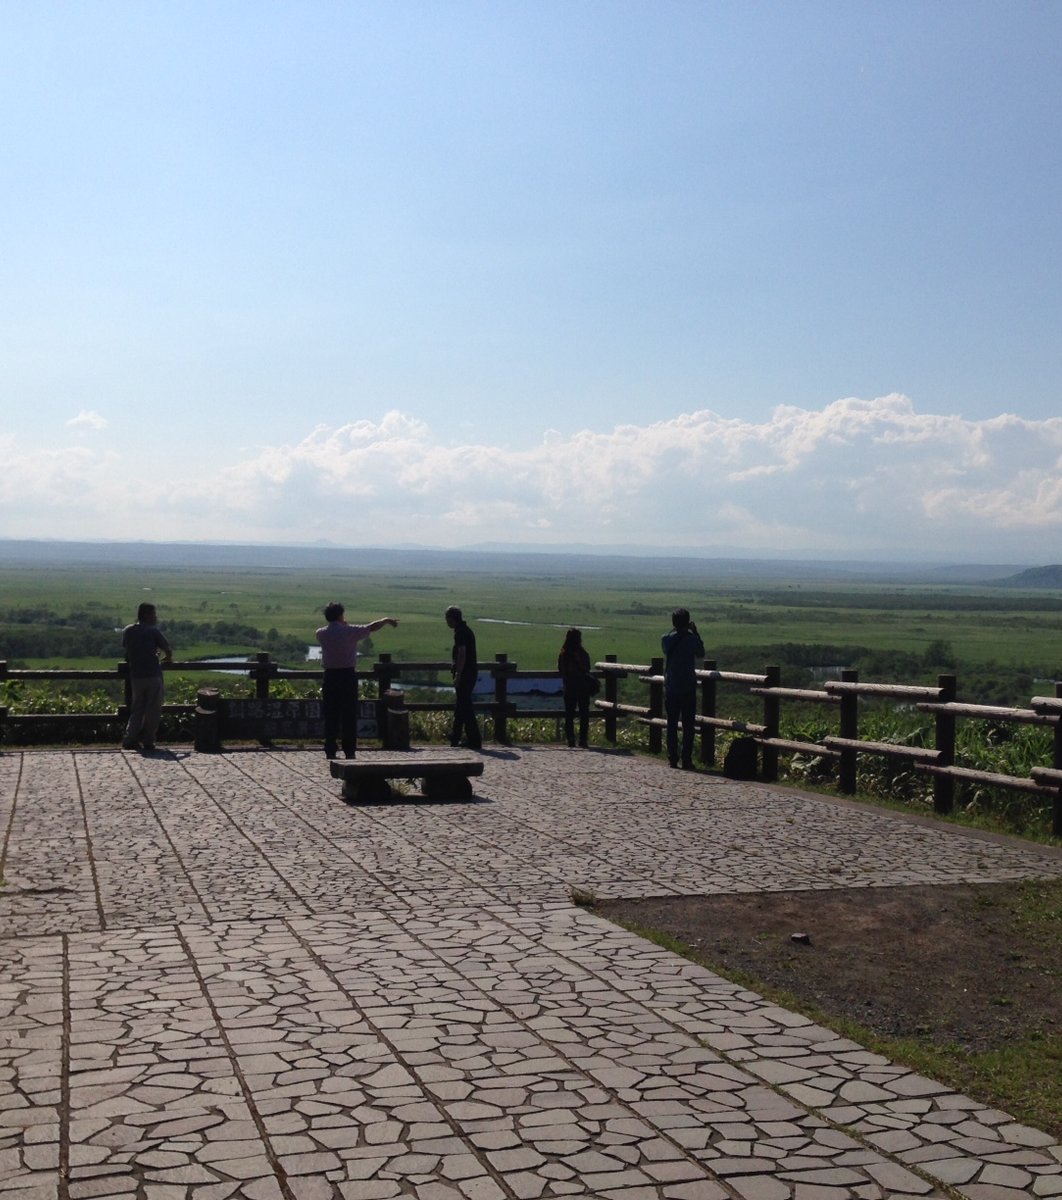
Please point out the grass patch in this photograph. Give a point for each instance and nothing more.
(958, 983)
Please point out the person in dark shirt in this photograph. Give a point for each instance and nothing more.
(573, 666)
(682, 648)
(142, 643)
(465, 669)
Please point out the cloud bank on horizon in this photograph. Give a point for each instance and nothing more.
(854, 479)
(721, 278)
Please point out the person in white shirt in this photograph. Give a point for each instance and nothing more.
(339, 694)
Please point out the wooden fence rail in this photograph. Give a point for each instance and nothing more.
(937, 761)
(846, 746)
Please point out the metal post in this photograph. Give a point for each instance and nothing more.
(208, 720)
(396, 728)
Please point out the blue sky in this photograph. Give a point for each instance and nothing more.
(767, 278)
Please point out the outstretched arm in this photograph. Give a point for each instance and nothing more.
(374, 625)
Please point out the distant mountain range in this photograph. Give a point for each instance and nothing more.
(514, 558)
(1034, 577)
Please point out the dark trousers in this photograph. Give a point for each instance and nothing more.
(465, 725)
(572, 702)
(680, 707)
(339, 699)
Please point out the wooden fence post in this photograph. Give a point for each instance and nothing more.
(772, 720)
(261, 676)
(501, 698)
(127, 692)
(944, 785)
(611, 697)
(848, 768)
(656, 705)
(709, 698)
(1056, 808)
(385, 674)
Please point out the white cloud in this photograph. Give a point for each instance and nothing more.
(87, 419)
(858, 478)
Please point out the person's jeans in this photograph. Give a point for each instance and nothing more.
(339, 699)
(465, 716)
(572, 701)
(681, 707)
(145, 710)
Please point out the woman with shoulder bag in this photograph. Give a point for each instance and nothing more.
(573, 665)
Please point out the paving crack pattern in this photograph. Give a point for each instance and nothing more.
(218, 980)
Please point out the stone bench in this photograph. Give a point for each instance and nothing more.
(442, 777)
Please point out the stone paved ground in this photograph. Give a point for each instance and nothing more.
(218, 980)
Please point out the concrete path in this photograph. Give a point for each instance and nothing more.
(218, 980)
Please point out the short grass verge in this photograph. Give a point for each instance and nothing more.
(959, 983)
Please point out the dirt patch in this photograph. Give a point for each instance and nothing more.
(977, 966)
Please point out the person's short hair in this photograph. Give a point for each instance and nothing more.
(333, 611)
(453, 611)
(144, 609)
(680, 618)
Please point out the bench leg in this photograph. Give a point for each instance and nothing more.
(368, 791)
(446, 787)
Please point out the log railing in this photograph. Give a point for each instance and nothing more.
(846, 746)
(937, 761)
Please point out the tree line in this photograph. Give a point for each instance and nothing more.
(43, 633)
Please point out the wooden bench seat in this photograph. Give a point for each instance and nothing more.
(442, 776)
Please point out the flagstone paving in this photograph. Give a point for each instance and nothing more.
(219, 980)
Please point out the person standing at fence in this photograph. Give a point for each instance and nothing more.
(682, 648)
(143, 642)
(465, 671)
(339, 693)
(573, 666)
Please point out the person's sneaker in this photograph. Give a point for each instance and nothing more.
(149, 748)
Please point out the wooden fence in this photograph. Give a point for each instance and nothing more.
(846, 746)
